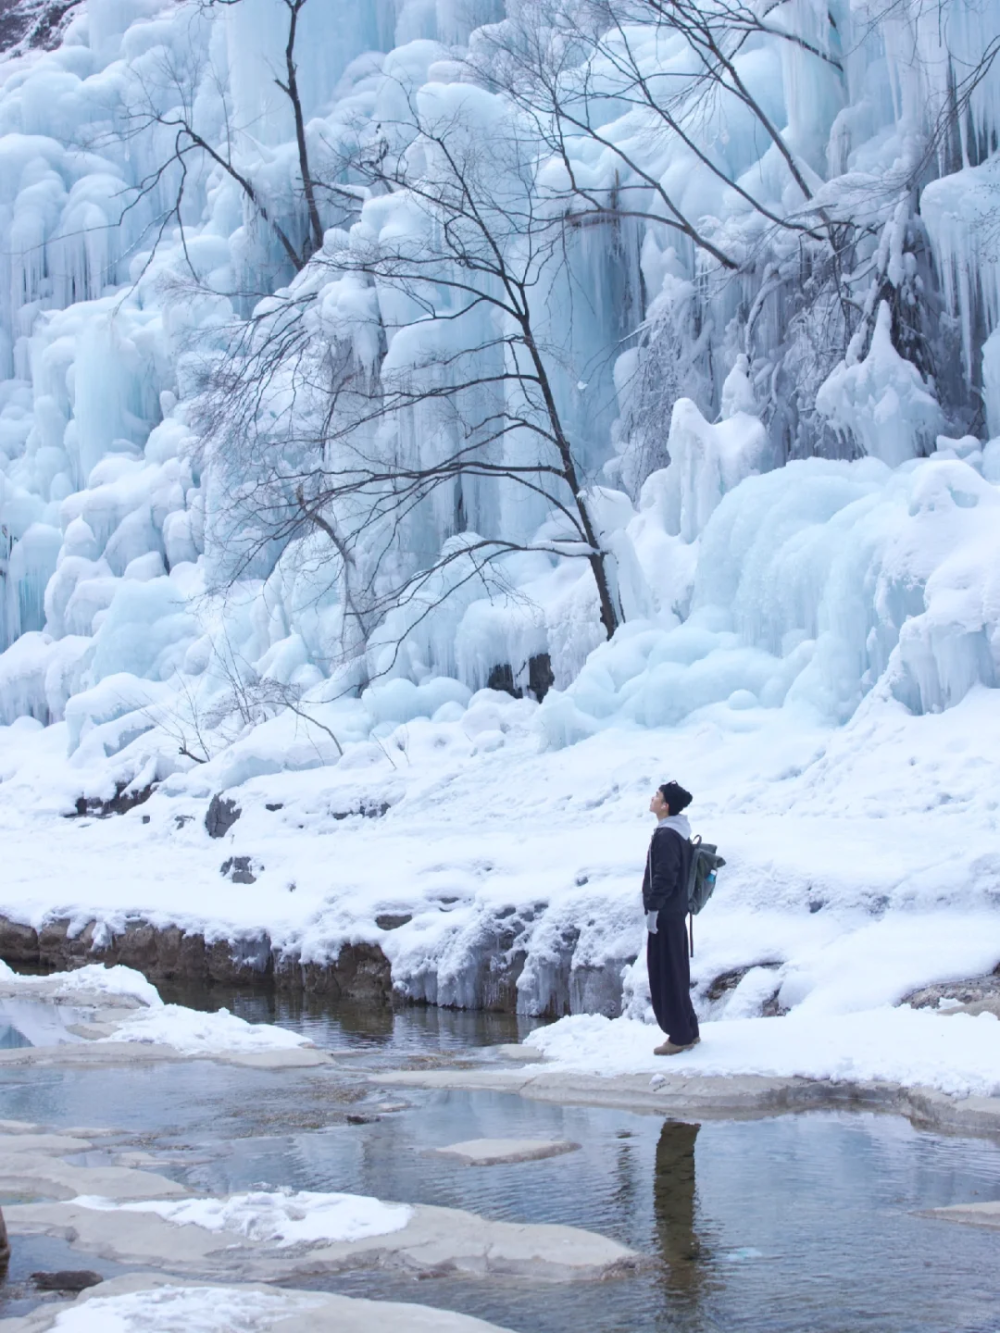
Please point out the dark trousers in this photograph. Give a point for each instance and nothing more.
(670, 980)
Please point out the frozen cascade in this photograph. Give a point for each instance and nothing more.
(824, 528)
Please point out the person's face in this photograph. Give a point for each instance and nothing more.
(658, 805)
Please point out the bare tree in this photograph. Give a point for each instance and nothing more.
(644, 82)
(229, 701)
(453, 336)
(154, 112)
(577, 69)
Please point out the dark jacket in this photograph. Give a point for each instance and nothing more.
(668, 867)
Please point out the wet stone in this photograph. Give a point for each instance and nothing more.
(67, 1279)
(500, 1152)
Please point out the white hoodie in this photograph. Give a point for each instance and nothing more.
(679, 823)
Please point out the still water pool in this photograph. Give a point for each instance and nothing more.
(808, 1223)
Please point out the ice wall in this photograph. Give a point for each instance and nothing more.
(822, 530)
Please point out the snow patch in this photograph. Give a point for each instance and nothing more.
(195, 1034)
(191, 1309)
(302, 1218)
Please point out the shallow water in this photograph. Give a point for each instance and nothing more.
(798, 1223)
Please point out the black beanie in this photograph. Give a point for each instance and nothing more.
(676, 797)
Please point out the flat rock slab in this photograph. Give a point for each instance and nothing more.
(32, 1162)
(497, 1152)
(715, 1096)
(39, 1174)
(107, 1054)
(154, 1303)
(972, 1214)
(434, 1241)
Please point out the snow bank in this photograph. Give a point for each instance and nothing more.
(145, 1018)
(285, 1218)
(957, 1054)
(88, 983)
(882, 402)
(196, 1034)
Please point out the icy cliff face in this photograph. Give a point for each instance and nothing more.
(779, 412)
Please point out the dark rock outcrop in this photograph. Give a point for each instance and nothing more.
(18, 943)
(167, 953)
(501, 678)
(728, 981)
(368, 809)
(540, 675)
(28, 24)
(540, 678)
(120, 804)
(361, 972)
(393, 920)
(239, 869)
(221, 815)
(983, 990)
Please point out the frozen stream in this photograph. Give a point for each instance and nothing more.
(787, 1223)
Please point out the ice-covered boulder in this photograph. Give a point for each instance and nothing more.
(706, 462)
(812, 583)
(882, 403)
(737, 391)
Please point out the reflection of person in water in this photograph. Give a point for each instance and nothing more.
(673, 1204)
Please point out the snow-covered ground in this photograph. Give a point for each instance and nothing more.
(810, 636)
(862, 863)
(956, 1054)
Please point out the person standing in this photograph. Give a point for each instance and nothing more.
(664, 899)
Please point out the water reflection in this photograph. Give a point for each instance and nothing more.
(674, 1207)
(396, 1030)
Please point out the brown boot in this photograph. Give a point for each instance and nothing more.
(668, 1047)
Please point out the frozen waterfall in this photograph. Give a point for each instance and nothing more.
(766, 325)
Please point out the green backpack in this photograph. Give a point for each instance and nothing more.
(705, 863)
